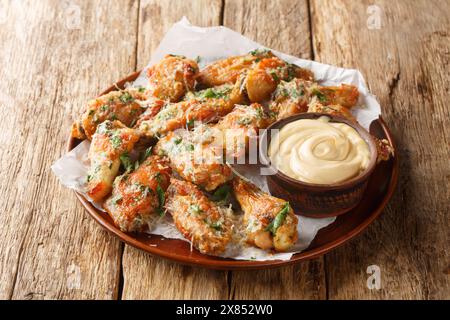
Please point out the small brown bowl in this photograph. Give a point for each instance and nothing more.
(318, 200)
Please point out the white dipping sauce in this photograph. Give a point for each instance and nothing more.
(319, 151)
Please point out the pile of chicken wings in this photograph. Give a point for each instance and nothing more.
(145, 146)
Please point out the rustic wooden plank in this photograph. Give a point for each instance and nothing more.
(55, 56)
(284, 26)
(156, 17)
(405, 63)
(145, 276)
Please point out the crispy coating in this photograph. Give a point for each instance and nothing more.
(135, 197)
(202, 108)
(240, 125)
(124, 105)
(172, 77)
(260, 210)
(195, 157)
(263, 78)
(384, 149)
(334, 110)
(297, 95)
(200, 220)
(290, 98)
(345, 95)
(110, 141)
(228, 70)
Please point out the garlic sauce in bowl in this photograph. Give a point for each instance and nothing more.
(319, 151)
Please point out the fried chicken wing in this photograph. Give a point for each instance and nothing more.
(334, 110)
(345, 95)
(124, 105)
(172, 77)
(290, 98)
(138, 197)
(297, 95)
(263, 78)
(240, 125)
(384, 149)
(270, 222)
(200, 220)
(228, 70)
(195, 157)
(203, 107)
(110, 141)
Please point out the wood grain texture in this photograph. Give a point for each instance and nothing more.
(145, 276)
(276, 24)
(156, 18)
(406, 65)
(54, 57)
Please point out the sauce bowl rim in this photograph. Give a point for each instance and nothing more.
(264, 142)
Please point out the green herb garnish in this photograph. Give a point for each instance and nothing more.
(195, 208)
(116, 141)
(215, 225)
(279, 219)
(146, 154)
(126, 162)
(126, 97)
(161, 198)
(274, 76)
(222, 193)
(320, 95)
(190, 123)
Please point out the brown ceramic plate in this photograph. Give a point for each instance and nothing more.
(380, 188)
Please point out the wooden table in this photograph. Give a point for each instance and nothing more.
(57, 54)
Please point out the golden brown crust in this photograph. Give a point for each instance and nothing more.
(172, 77)
(197, 218)
(260, 210)
(135, 198)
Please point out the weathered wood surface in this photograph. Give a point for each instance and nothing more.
(54, 57)
(406, 64)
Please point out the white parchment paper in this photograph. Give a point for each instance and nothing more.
(210, 44)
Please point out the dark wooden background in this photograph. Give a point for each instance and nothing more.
(54, 55)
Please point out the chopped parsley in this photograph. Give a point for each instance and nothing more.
(141, 89)
(177, 140)
(195, 208)
(259, 52)
(190, 123)
(126, 162)
(275, 76)
(222, 193)
(322, 98)
(161, 198)
(213, 93)
(116, 141)
(126, 97)
(146, 154)
(104, 108)
(215, 225)
(279, 219)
